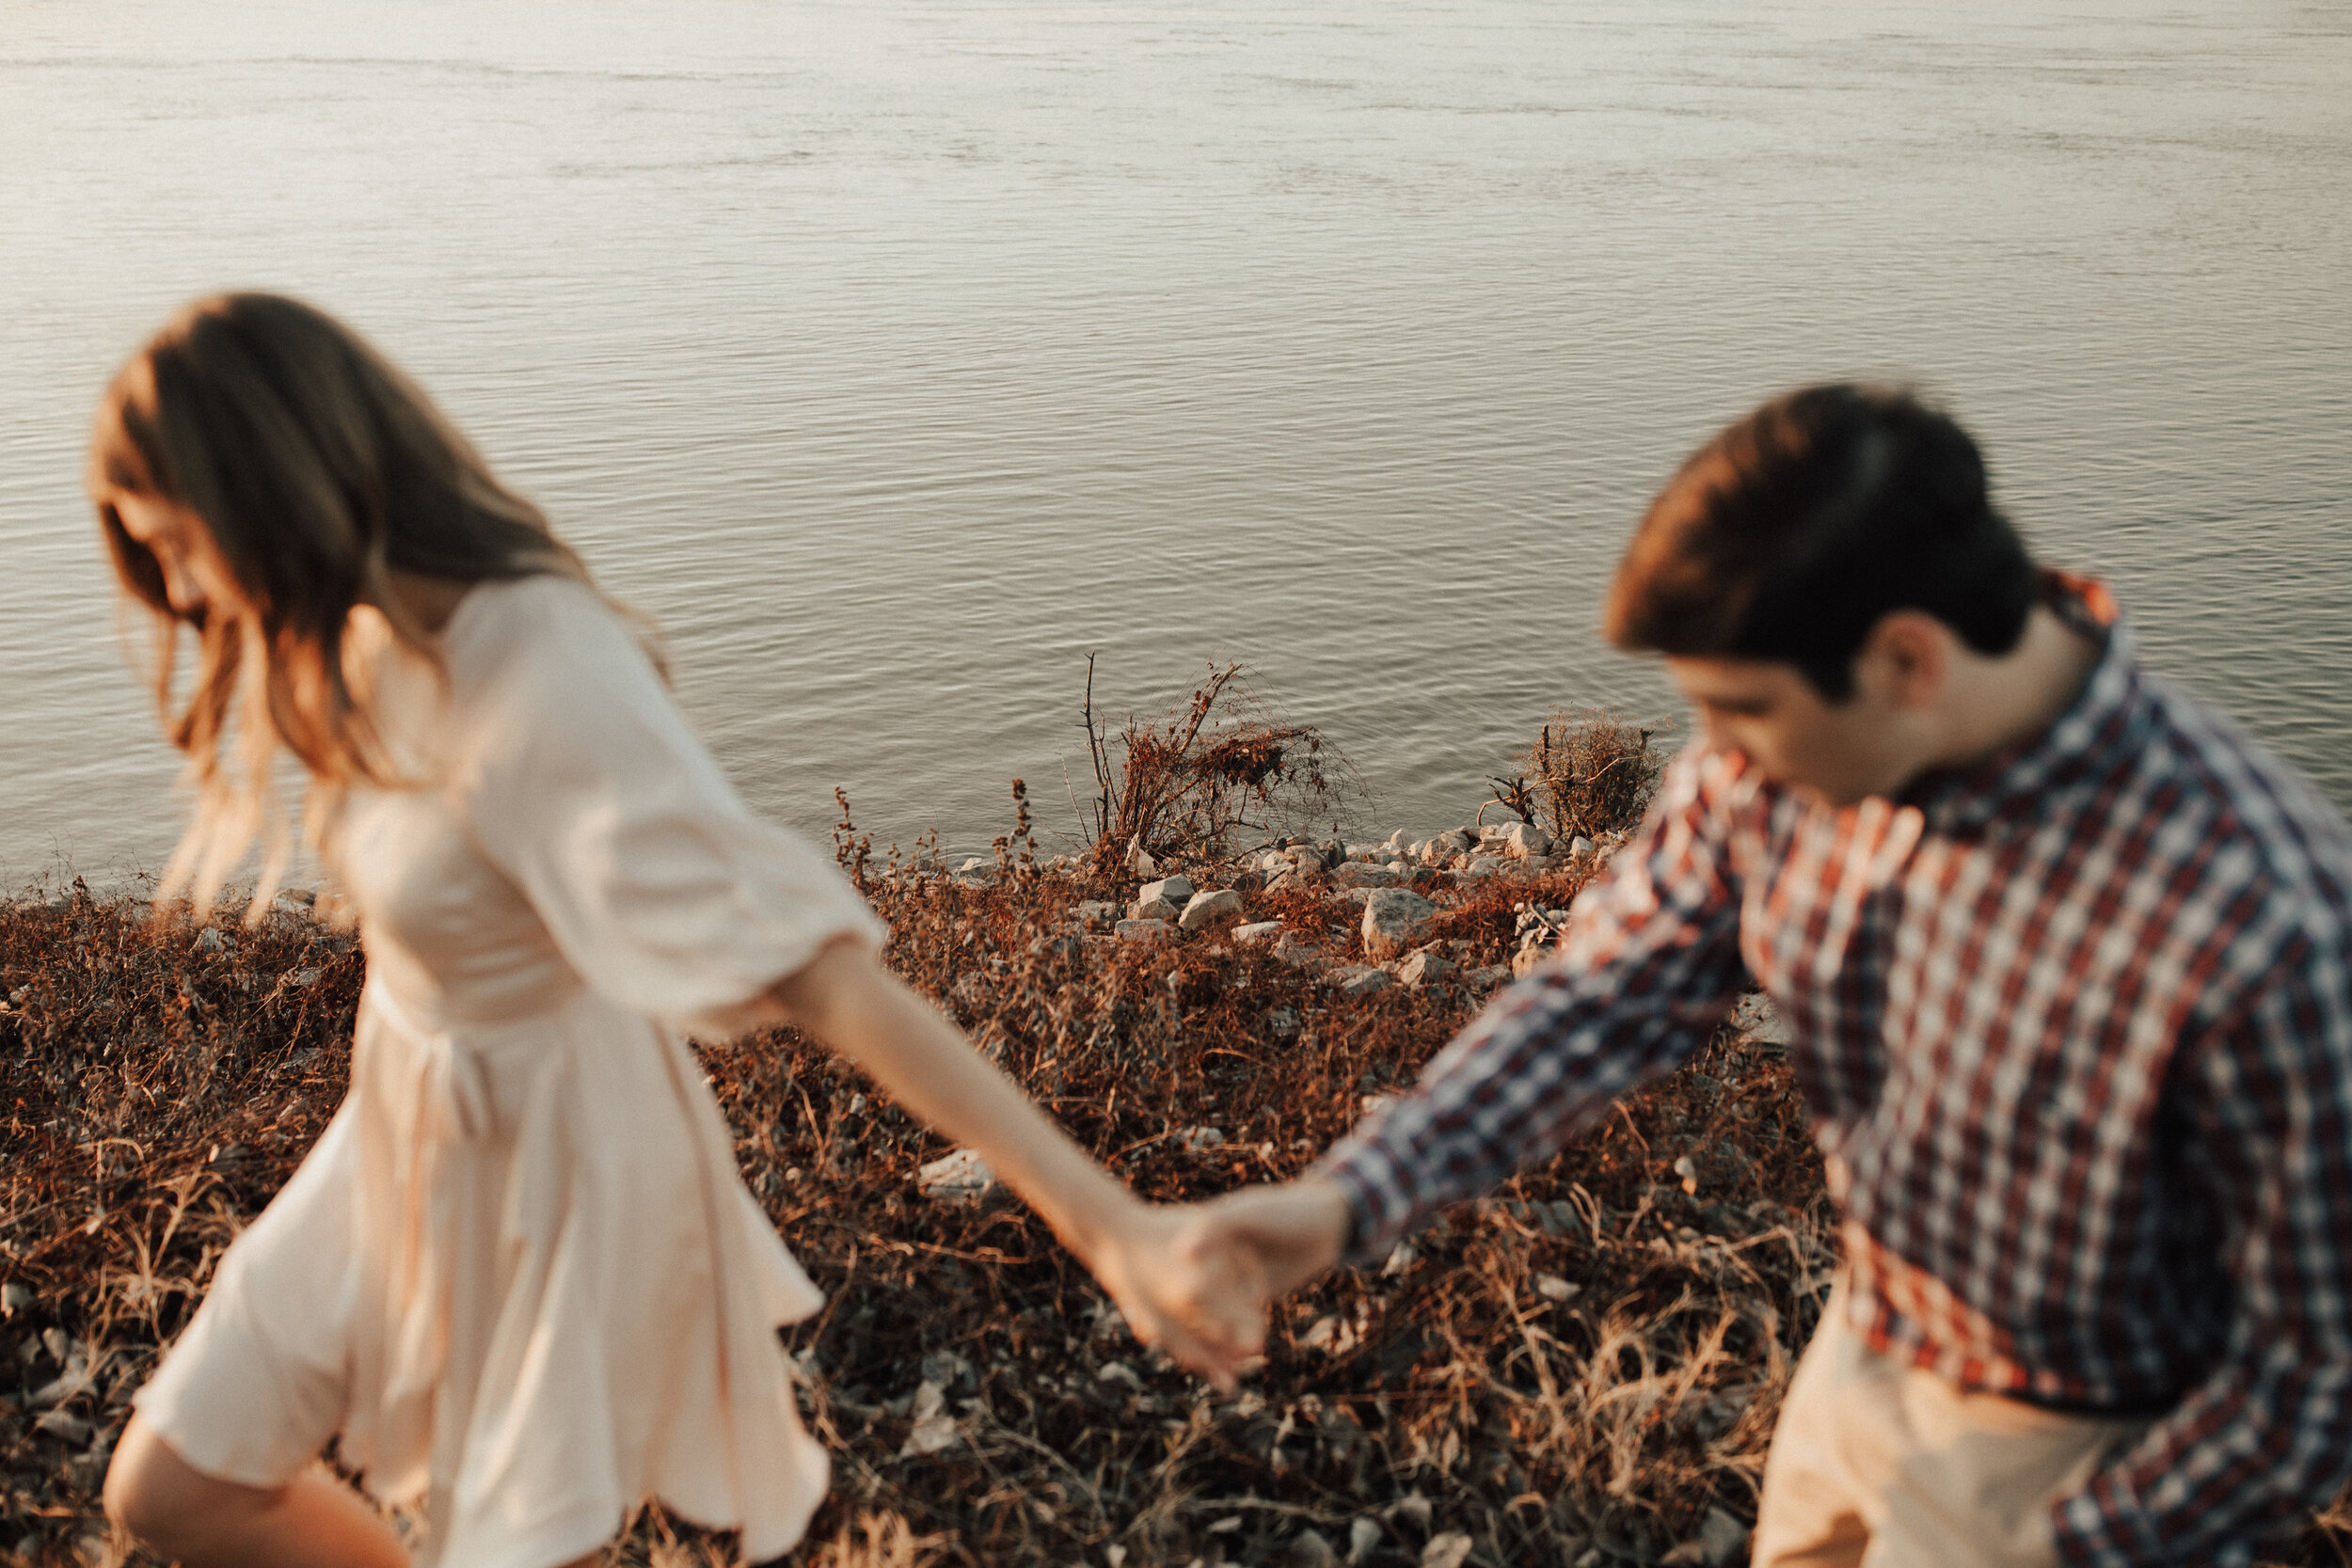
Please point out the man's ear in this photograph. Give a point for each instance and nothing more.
(1907, 659)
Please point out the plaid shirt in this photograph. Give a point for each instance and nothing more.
(2075, 1029)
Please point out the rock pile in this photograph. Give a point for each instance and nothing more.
(1400, 887)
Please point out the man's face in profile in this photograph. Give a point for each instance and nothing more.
(1843, 751)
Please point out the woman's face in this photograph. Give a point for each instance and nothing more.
(195, 577)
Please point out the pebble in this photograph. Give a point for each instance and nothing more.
(1448, 1549)
(953, 1177)
(64, 1426)
(1364, 982)
(1308, 1549)
(1263, 930)
(1759, 1021)
(1143, 930)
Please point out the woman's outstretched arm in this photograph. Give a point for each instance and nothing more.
(1166, 1276)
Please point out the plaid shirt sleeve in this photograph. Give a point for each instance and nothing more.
(2269, 1431)
(1648, 965)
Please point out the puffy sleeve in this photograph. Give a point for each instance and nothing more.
(585, 786)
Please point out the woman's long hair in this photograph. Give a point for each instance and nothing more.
(316, 469)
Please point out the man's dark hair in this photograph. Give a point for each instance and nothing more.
(1791, 534)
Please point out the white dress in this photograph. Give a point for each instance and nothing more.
(519, 1273)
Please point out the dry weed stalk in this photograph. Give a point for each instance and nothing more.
(1190, 783)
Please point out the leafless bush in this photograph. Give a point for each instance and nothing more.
(1592, 772)
(1189, 782)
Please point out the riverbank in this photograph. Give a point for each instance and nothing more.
(1582, 1368)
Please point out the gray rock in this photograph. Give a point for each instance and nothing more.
(1263, 930)
(1095, 914)
(1144, 930)
(1154, 909)
(1363, 1538)
(1394, 920)
(1175, 889)
(1360, 981)
(1442, 848)
(1485, 865)
(1358, 874)
(1580, 848)
(1197, 1139)
(1206, 906)
(1527, 840)
(1528, 959)
(15, 1298)
(1421, 968)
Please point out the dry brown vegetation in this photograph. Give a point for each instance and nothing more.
(1194, 781)
(1583, 1370)
(1591, 771)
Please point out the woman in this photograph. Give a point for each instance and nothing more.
(519, 1277)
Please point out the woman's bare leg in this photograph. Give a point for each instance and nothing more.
(180, 1512)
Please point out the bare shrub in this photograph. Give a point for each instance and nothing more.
(1591, 773)
(1189, 782)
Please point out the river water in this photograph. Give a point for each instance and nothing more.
(896, 356)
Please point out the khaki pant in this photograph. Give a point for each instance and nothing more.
(1877, 1465)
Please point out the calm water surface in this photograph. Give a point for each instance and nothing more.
(896, 356)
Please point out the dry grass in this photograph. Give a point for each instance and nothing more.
(1574, 1371)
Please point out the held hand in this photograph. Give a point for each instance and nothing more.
(1198, 1281)
(1183, 1293)
(1281, 1237)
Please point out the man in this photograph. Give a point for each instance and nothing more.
(2066, 957)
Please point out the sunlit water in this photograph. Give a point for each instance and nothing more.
(897, 356)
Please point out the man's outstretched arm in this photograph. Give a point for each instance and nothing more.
(1650, 960)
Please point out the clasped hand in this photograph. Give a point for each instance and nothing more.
(1196, 1280)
